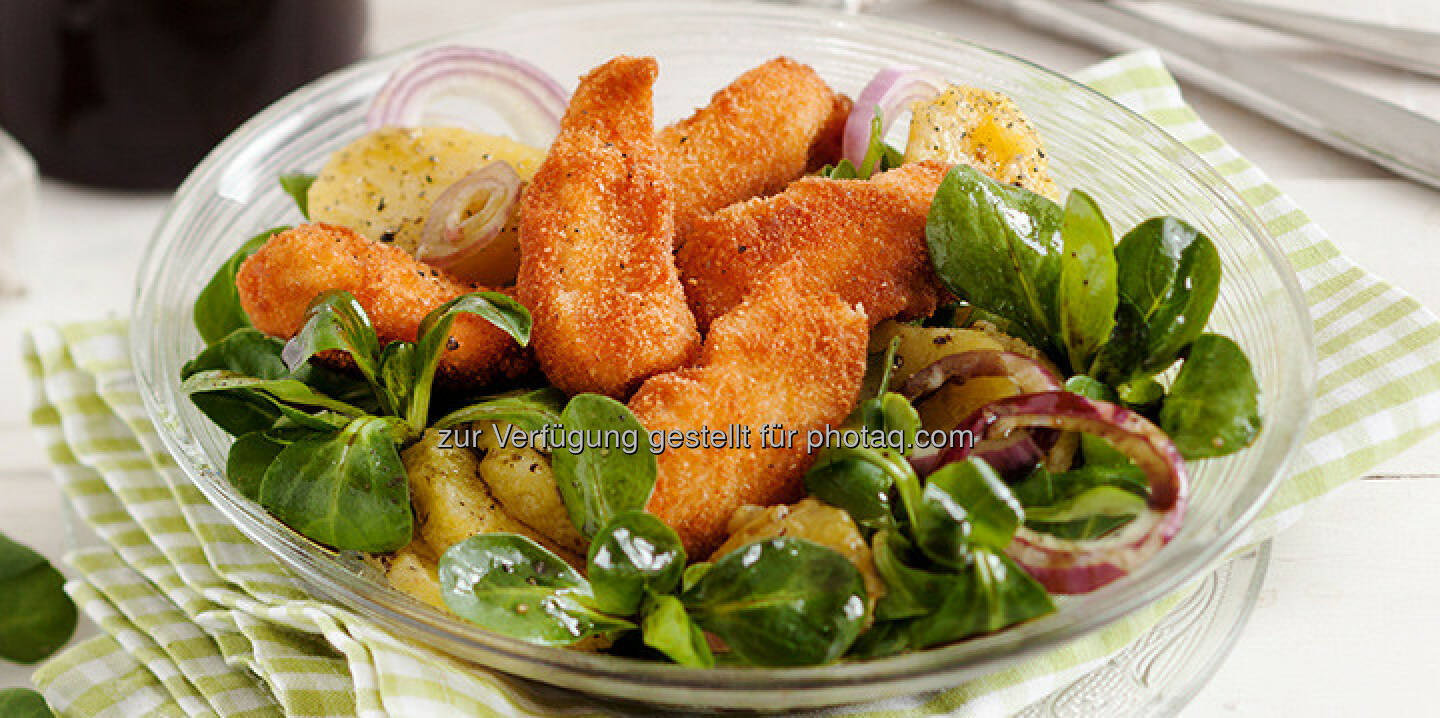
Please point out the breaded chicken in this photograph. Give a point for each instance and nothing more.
(758, 134)
(277, 283)
(864, 239)
(789, 355)
(597, 268)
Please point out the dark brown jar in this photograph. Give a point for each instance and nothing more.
(132, 93)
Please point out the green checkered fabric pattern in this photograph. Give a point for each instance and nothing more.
(198, 621)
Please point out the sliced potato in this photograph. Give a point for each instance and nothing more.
(983, 129)
(382, 185)
(524, 484)
(453, 503)
(414, 570)
(922, 346)
(952, 403)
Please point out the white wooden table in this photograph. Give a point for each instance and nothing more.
(1347, 623)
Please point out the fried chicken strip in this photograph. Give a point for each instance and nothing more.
(791, 355)
(862, 239)
(757, 134)
(277, 283)
(596, 230)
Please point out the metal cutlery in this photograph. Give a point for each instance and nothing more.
(1393, 137)
(1414, 50)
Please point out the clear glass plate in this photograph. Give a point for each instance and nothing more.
(1162, 670)
(1130, 166)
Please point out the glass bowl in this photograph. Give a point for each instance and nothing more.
(1130, 166)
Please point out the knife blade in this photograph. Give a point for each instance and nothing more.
(1402, 141)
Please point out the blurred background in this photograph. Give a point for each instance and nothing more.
(116, 99)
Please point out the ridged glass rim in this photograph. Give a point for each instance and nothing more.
(1287, 414)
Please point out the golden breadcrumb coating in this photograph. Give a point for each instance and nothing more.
(864, 239)
(791, 355)
(597, 268)
(278, 282)
(758, 134)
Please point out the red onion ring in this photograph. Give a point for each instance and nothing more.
(448, 237)
(1067, 566)
(1016, 451)
(531, 101)
(891, 91)
(1028, 374)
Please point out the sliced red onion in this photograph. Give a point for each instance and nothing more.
(1068, 566)
(529, 100)
(1013, 453)
(891, 91)
(926, 460)
(449, 237)
(1028, 374)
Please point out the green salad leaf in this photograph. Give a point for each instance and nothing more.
(879, 156)
(999, 248)
(693, 573)
(291, 398)
(434, 340)
(888, 415)
(993, 593)
(217, 310)
(857, 480)
(635, 554)
(1083, 503)
(860, 479)
(781, 602)
(965, 505)
(245, 351)
(909, 591)
(250, 457)
(925, 607)
(1141, 393)
(1169, 273)
(297, 185)
(1044, 488)
(346, 489)
(598, 484)
(513, 586)
(527, 410)
(336, 321)
(1214, 406)
(1097, 451)
(666, 627)
(1088, 515)
(1088, 291)
(36, 615)
(23, 703)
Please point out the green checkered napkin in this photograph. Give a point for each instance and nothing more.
(197, 620)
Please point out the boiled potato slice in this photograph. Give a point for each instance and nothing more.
(382, 185)
(453, 503)
(922, 346)
(522, 481)
(953, 403)
(983, 129)
(413, 570)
